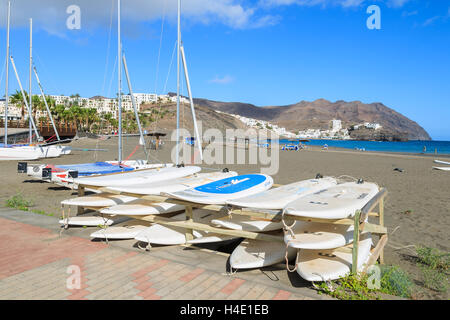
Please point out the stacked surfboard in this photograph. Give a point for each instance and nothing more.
(320, 254)
(258, 253)
(215, 192)
(111, 204)
(442, 168)
(318, 245)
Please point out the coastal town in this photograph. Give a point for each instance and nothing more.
(103, 106)
(335, 131)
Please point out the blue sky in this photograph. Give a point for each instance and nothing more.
(264, 52)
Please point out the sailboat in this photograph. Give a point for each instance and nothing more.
(28, 151)
(11, 152)
(76, 174)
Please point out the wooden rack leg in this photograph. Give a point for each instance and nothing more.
(355, 243)
(81, 191)
(189, 218)
(381, 221)
(376, 251)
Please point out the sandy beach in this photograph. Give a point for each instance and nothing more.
(417, 206)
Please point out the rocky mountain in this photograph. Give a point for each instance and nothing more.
(317, 115)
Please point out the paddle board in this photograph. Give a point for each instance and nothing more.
(324, 265)
(218, 192)
(442, 168)
(174, 185)
(442, 162)
(278, 198)
(211, 238)
(240, 222)
(169, 235)
(141, 207)
(137, 177)
(88, 221)
(98, 200)
(127, 231)
(314, 235)
(336, 202)
(257, 254)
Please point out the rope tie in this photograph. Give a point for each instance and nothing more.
(231, 273)
(285, 226)
(147, 247)
(63, 217)
(400, 246)
(228, 208)
(287, 259)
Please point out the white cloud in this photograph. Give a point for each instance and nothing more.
(223, 80)
(310, 3)
(51, 15)
(410, 13)
(431, 20)
(397, 3)
(325, 3)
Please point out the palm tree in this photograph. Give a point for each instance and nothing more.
(17, 99)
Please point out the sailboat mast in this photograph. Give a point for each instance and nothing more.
(178, 81)
(119, 76)
(191, 101)
(135, 107)
(7, 74)
(46, 104)
(29, 92)
(25, 99)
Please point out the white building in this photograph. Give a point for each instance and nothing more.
(336, 125)
(372, 125)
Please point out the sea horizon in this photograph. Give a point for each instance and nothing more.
(412, 146)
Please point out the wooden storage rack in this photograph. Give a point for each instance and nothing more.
(358, 221)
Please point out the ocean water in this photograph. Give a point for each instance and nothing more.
(414, 146)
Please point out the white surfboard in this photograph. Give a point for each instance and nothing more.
(98, 200)
(324, 265)
(211, 238)
(169, 235)
(442, 168)
(218, 192)
(174, 185)
(336, 202)
(257, 254)
(278, 198)
(88, 221)
(240, 222)
(137, 177)
(442, 162)
(313, 235)
(141, 207)
(127, 231)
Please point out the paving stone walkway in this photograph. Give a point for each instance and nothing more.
(39, 263)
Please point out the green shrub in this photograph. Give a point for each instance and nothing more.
(395, 281)
(19, 202)
(434, 279)
(434, 266)
(433, 258)
(350, 287)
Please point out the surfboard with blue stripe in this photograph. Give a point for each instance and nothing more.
(218, 192)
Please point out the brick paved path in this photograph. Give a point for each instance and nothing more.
(34, 264)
